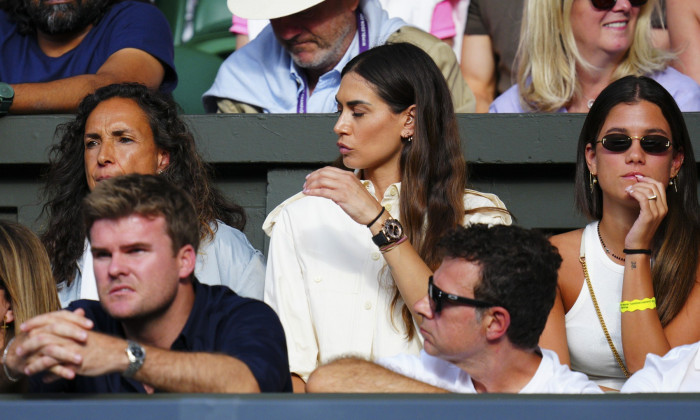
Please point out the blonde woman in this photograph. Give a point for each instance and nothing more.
(27, 288)
(570, 50)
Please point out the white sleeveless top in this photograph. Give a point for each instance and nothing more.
(589, 349)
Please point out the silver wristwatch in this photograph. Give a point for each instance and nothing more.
(137, 355)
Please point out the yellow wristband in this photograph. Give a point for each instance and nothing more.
(637, 304)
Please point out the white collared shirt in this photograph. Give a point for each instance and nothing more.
(330, 284)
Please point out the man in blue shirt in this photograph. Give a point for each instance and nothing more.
(54, 53)
(159, 328)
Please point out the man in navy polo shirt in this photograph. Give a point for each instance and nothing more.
(159, 328)
(55, 52)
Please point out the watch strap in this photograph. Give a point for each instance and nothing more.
(380, 239)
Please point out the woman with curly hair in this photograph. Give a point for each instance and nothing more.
(127, 128)
(570, 50)
(352, 253)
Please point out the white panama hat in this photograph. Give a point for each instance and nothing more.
(268, 9)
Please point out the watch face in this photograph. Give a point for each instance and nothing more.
(393, 230)
(137, 352)
(6, 92)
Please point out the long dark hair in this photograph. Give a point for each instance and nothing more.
(677, 240)
(433, 170)
(66, 184)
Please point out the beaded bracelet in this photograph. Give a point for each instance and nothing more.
(637, 304)
(4, 362)
(389, 247)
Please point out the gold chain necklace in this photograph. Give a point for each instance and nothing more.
(582, 259)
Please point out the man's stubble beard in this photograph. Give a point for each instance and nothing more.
(329, 54)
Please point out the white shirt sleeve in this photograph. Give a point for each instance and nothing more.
(286, 293)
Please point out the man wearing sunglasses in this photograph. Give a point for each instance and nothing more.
(482, 317)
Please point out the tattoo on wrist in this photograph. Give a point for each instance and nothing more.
(634, 265)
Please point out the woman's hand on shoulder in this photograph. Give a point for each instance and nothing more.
(651, 196)
(345, 190)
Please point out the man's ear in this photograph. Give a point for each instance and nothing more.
(497, 321)
(186, 258)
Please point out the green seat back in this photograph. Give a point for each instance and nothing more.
(196, 71)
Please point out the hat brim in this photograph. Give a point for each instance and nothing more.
(268, 9)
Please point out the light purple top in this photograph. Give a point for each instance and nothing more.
(684, 90)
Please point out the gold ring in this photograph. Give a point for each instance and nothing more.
(653, 197)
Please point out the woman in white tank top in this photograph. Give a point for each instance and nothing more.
(628, 285)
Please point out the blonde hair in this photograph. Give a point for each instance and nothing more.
(25, 274)
(548, 56)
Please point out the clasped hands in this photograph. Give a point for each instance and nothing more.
(63, 344)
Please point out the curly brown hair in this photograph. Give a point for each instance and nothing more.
(66, 185)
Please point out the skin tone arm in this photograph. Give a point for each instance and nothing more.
(683, 18)
(569, 283)
(356, 375)
(63, 96)
(409, 271)
(479, 69)
(62, 343)
(298, 384)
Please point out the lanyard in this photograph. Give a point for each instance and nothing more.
(363, 37)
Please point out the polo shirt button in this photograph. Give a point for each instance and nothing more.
(368, 305)
(392, 191)
(376, 256)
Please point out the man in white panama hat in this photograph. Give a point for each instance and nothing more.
(294, 64)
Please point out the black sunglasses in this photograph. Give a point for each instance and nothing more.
(437, 297)
(652, 143)
(609, 4)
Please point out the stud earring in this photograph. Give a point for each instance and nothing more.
(410, 139)
(592, 180)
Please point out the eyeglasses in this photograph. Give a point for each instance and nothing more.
(438, 297)
(609, 4)
(652, 143)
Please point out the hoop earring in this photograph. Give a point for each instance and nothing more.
(592, 180)
(674, 182)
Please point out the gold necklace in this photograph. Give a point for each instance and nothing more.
(582, 259)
